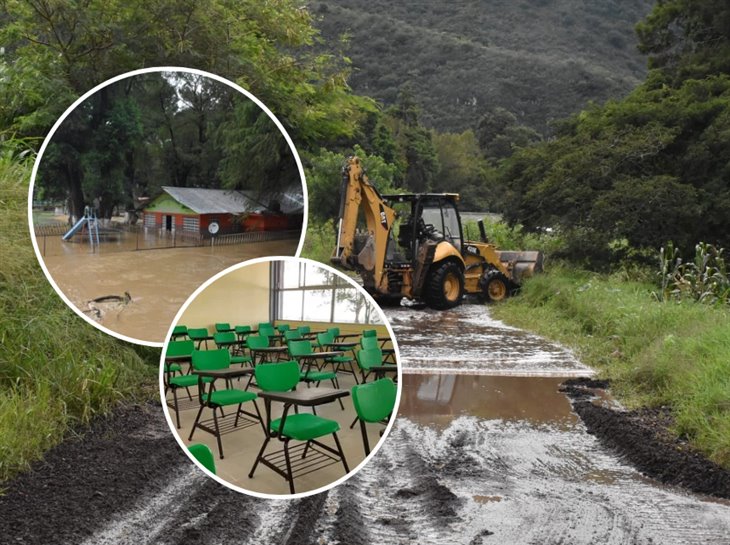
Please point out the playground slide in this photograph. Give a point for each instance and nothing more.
(75, 228)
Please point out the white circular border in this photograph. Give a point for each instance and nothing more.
(298, 495)
(86, 95)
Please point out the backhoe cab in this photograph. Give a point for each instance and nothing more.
(428, 258)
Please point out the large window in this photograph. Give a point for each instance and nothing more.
(306, 292)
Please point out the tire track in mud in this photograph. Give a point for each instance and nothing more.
(550, 486)
(473, 481)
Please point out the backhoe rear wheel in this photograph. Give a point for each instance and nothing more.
(444, 286)
(496, 286)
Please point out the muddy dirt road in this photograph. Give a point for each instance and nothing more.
(473, 459)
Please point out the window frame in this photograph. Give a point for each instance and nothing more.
(278, 289)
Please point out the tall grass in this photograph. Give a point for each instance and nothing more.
(674, 354)
(56, 371)
(320, 241)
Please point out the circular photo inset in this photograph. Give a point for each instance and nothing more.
(280, 377)
(153, 182)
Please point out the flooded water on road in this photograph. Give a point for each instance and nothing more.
(436, 400)
(486, 445)
(466, 340)
(158, 281)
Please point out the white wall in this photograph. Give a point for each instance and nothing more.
(240, 298)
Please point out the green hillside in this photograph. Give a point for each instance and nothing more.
(540, 59)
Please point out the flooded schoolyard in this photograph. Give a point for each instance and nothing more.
(157, 272)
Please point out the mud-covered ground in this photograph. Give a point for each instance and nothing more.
(473, 458)
(644, 438)
(473, 481)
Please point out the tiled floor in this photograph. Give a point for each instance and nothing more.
(241, 445)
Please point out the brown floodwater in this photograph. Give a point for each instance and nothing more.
(436, 400)
(159, 281)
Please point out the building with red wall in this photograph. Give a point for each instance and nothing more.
(222, 211)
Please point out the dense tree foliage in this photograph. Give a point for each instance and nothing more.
(499, 134)
(55, 51)
(629, 174)
(414, 149)
(687, 38)
(324, 179)
(464, 170)
(174, 128)
(650, 168)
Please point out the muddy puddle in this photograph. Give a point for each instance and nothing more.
(436, 400)
(466, 340)
(158, 281)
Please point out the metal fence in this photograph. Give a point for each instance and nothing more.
(117, 237)
(253, 236)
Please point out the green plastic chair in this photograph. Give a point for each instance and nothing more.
(340, 363)
(177, 348)
(278, 377)
(369, 333)
(257, 341)
(368, 360)
(283, 377)
(174, 383)
(292, 335)
(214, 399)
(281, 328)
(242, 331)
(223, 327)
(368, 343)
(304, 329)
(179, 331)
(267, 330)
(335, 332)
(199, 334)
(204, 455)
(374, 402)
(304, 348)
(230, 342)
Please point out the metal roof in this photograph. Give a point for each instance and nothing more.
(227, 201)
(212, 201)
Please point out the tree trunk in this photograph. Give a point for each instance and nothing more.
(76, 199)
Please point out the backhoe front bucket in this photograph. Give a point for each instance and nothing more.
(522, 264)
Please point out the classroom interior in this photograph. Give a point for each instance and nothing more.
(299, 307)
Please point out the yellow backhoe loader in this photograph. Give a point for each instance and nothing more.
(429, 259)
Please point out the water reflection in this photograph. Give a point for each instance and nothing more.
(437, 399)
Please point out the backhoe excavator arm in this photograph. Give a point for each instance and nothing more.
(358, 194)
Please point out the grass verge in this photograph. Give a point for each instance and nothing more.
(656, 354)
(56, 371)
